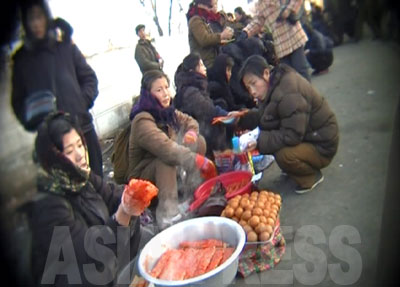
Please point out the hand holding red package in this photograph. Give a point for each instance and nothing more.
(190, 137)
(137, 196)
(206, 167)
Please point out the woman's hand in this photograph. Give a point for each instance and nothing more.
(234, 114)
(190, 137)
(137, 196)
(206, 167)
(130, 205)
(122, 217)
(237, 114)
(252, 145)
(227, 33)
(285, 14)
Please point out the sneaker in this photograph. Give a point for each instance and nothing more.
(263, 162)
(320, 178)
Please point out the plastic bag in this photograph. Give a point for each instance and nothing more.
(224, 161)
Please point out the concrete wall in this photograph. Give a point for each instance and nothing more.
(17, 171)
(119, 82)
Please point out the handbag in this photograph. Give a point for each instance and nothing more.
(37, 106)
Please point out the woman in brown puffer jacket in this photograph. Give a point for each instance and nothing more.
(296, 123)
(161, 140)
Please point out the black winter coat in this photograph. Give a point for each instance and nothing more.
(293, 112)
(218, 86)
(192, 98)
(61, 68)
(79, 225)
(239, 51)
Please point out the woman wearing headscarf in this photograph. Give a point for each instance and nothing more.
(193, 98)
(44, 64)
(219, 76)
(202, 39)
(163, 140)
(77, 214)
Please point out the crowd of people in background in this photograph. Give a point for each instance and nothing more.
(237, 62)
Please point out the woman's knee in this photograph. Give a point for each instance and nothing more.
(286, 159)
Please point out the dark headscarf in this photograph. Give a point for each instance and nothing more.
(148, 103)
(51, 25)
(26, 6)
(218, 71)
(186, 76)
(208, 15)
(59, 174)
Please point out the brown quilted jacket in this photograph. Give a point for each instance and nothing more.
(149, 141)
(293, 112)
(203, 40)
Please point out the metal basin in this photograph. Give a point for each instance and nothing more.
(220, 228)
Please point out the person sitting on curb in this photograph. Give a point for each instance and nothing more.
(242, 19)
(146, 54)
(76, 213)
(319, 50)
(193, 97)
(163, 140)
(296, 123)
(219, 76)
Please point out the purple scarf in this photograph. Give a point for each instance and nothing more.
(148, 103)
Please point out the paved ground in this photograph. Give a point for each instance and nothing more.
(333, 232)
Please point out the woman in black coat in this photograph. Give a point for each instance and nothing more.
(219, 76)
(45, 64)
(319, 50)
(192, 98)
(84, 231)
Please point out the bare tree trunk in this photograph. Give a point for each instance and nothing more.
(155, 18)
(169, 18)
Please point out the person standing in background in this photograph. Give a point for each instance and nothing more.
(146, 54)
(202, 39)
(242, 19)
(45, 64)
(287, 32)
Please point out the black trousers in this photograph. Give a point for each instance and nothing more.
(94, 150)
(320, 61)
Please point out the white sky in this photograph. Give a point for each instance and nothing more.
(97, 22)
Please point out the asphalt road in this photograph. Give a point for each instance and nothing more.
(333, 232)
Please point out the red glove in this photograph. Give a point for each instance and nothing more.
(137, 196)
(206, 167)
(190, 137)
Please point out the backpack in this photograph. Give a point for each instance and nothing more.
(119, 157)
